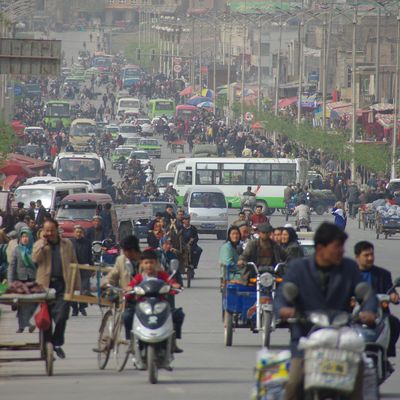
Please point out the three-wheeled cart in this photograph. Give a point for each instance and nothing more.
(387, 225)
(45, 349)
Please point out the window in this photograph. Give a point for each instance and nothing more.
(207, 200)
(184, 178)
(265, 48)
(283, 174)
(208, 174)
(232, 174)
(258, 174)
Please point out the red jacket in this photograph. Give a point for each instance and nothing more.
(162, 275)
(258, 219)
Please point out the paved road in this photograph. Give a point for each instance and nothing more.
(206, 369)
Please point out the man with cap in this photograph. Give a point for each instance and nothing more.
(241, 220)
(125, 268)
(262, 251)
(96, 233)
(190, 237)
(83, 250)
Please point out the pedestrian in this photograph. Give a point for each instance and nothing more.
(96, 233)
(106, 221)
(83, 250)
(23, 269)
(339, 213)
(53, 256)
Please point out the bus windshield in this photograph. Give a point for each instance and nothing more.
(57, 110)
(73, 168)
(102, 62)
(32, 194)
(83, 129)
(164, 105)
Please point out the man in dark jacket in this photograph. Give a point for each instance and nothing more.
(190, 237)
(83, 250)
(96, 233)
(263, 251)
(325, 282)
(381, 281)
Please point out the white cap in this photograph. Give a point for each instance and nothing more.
(288, 226)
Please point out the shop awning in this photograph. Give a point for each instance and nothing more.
(381, 107)
(186, 92)
(283, 103)
(386, 120)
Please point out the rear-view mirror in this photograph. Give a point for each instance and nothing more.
(362, 292)
(290, 291)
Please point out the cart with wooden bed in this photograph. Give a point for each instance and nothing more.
(176, 145)
(44, 348)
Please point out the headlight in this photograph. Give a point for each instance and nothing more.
(165, 289)
(159, 308)
(145, 308)
(139, 291)
(266, 280)
(96, 247)
(319, 319)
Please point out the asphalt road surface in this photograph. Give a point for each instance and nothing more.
(206, 369)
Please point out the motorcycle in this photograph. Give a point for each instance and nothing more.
(247, 205)
(377, 339)
(333, 348)
(153, 330)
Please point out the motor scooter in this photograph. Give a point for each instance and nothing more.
(303, 225)
(377, 338)
(153, 330)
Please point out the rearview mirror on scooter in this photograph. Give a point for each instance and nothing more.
(397, 282)
(290, 291)
(362, 292)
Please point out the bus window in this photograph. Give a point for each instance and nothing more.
(232, 178)
(184, 178)
(283, 174)
(258, 174)
(210, 177)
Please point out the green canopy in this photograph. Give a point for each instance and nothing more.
(252, 6)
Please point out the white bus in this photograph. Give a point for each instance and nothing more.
(267, 177)
(80, 166)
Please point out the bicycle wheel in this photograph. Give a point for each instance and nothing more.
(121, 346)
(104, 341)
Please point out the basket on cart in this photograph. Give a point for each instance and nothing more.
(331, 369)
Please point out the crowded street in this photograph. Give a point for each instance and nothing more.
(136, 205)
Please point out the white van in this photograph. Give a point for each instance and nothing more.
(129, 105)
(208, 210)
(163, 180)
(50, 194)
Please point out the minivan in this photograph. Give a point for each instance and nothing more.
(79, 209)
(50, 194)
(208, 210)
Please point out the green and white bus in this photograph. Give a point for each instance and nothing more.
(159, 107)
(55, 111)
(267, 177)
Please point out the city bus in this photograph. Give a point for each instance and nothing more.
(57, 111)
(267, 177)
(159, 107)
(80, 166)
(186, 112)
(130, 75)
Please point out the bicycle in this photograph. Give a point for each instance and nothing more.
(112, 333)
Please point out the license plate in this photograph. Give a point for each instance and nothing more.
(208, 226)
(334, 367)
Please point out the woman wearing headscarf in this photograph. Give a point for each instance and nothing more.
(290, 243)
(23, 269)
(230, 250)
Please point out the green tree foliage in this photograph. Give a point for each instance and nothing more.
(7, 140)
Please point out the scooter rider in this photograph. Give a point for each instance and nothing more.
(302, 212)
(381, 281)
(150, 268)
(325, 282)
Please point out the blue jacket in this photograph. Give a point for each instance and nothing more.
(340, 289)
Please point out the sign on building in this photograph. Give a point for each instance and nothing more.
(30, 57)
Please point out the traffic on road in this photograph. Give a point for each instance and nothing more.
(145, 240)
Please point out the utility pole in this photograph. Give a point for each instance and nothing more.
(243, 62)
(324, 73)
(201, 58)
(229, 71)
(278, 67)
(378, 56)
(259, 66)
(301, 51)
(396, 103)
(215, 68)
(193, 60)
(354, 97)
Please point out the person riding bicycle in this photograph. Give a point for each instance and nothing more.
(125, 268)
(302, 212)
(190, 237)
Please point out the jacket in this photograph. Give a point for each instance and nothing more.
(293, 250)
(352, 194)
(17, 271)
(83, 250)
(121, 274)
(381, 280)
(250, 253)
(41, 255)
(340, 289)
(228, 255)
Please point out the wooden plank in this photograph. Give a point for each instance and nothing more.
(79, 298)
(19, 346)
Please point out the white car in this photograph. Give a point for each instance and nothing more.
(128, 130)
(142, 156)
